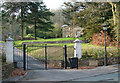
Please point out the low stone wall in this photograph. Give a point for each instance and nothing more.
(83, 62)
(99, 62)
(7, 68)
(55, 63)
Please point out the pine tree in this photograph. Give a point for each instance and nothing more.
(21, 8)
(39, 16)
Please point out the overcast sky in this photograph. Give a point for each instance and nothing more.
(53, 4)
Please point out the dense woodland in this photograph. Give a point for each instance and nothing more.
(33, 19)
(91, 16)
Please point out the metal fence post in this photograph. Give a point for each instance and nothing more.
(65, 57)
(105, 51)
(13, 54)
(24, 56)
(46, 56)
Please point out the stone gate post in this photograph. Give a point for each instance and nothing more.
(77, 48)
(9, 49)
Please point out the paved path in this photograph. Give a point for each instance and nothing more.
(97, 74)
(31, 62)
(106, 77)
(107, 74)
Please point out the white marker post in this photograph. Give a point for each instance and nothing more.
(77, 48)
(9, 49)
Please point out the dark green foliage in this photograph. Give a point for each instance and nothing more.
(39, 16)
(55, 33)
(92, 18)
(89, 15)
(28, 14)
(110, 29)
(28, 30)
(4, 19)
(90, 30)
(41, 34)
(18, 11)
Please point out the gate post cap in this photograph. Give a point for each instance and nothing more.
(77, 41)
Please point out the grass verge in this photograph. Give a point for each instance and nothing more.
(56, 52)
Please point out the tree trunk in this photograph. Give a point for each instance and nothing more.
(118, 37)
(116, 19)
(118, 30)
(22, 24)
(117, 13)
(35, 30)
(114, 11)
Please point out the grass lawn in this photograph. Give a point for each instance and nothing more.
(43, 40)
(2, 41)
(57, 52)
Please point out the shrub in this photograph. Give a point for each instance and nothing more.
(86, 53)
(30, 35)
(3, 57)
(99, 39)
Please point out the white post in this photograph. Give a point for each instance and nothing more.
(9, 49)
(77, 48)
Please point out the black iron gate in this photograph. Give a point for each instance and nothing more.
(18, 55)
(36, 57)
(31, 59)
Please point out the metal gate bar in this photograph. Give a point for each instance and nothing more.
(25, 57)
